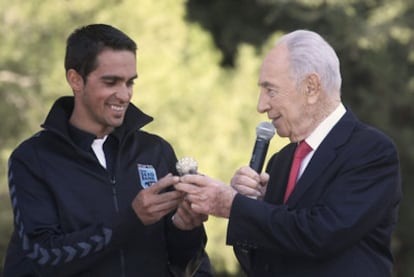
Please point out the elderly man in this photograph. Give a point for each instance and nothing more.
(330, 198)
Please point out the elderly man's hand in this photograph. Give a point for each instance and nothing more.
(248, 182)
(207, 195)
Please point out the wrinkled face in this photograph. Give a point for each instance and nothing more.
(101, 101)
(284, 102)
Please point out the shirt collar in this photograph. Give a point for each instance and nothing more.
(318, 135)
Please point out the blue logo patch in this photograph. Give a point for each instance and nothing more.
(147, 175)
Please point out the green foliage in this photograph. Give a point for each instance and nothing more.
(204, 110)
(5, 225)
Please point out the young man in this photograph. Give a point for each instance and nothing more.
(337, 215)
(91, 193)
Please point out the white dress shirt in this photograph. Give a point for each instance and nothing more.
(319, 134)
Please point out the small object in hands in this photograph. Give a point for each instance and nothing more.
(186, 165)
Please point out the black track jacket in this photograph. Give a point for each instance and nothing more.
(73, 218)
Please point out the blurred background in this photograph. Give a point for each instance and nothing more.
(198, 63)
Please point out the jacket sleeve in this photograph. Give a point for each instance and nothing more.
(36, 219)
(357, 195)
(185, 248)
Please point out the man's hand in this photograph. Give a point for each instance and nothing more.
(151, 205)
(248, 182)
(186, 219)
(207, 195)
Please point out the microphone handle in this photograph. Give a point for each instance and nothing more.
(259, 154)
(256, 162)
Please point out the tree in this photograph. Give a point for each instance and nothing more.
(204, 110)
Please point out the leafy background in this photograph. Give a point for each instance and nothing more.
(198, 63)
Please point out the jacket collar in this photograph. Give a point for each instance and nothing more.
(58, 118)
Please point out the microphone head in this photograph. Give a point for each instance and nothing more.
(265, 130)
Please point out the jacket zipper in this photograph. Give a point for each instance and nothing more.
(116, 204)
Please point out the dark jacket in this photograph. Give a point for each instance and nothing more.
(73, 217)
(339, 219)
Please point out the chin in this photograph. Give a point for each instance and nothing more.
(281, 134)
(116, 123)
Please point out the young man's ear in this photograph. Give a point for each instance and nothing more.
(75, 80)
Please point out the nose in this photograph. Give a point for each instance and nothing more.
(263, 103)
(124, 93)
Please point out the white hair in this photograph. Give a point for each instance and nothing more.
(310, 53)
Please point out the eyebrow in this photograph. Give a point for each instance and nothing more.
(115, 77)
(266, 84)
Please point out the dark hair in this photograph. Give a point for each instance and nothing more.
(87, 42)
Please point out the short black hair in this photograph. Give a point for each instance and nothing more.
(87, 42)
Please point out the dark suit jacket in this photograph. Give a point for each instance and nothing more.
(339, 219)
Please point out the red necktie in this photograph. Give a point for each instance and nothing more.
(301, 151)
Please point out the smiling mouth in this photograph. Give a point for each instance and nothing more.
(275, 120)
(117, 108)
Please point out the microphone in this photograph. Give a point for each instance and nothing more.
(264, 131)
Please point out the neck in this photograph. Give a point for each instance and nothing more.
(316, 116)
(99, 132)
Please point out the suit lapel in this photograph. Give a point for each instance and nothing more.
(324, 156)
(279, 167)
(320, 161)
